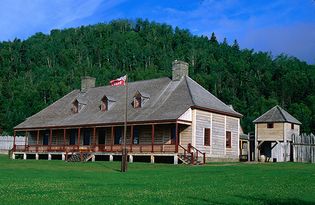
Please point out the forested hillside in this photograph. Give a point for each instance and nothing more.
(38, 71)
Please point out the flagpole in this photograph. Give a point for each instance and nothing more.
(124, 149)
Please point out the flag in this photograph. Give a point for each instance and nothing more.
(119, 81)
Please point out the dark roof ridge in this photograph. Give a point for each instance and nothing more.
(223, 107)
(189, 91)
(169, 94)
(280, 110)
(162, 93)
(204, 90)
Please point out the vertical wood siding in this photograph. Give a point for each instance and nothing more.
(218, 124)
(203, 120)
(270, 134)
(278, 151)
(232, 125)
(6, 142)
(288, 131)
(218, 135)
(304, 148)
(185, 135)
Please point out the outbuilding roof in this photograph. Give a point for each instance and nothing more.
(168, 101)
(276, 114)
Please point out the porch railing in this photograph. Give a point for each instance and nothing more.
(135, 148)
(196, 153)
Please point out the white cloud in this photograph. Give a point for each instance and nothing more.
(278, 26)
(21, 18)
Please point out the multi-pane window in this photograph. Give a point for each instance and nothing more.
(207, 137)
(228, 139)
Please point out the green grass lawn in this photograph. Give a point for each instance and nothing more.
(59, 182)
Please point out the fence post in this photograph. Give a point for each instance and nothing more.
(14, 146)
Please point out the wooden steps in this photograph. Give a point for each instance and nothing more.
(188, 159)
(191, 156)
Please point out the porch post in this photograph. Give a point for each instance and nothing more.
(176, 137)
(94, 136)
(64, 138)
(37, 140)
(131, 137)
(94, 140)
(79, 137)
(152, 139)
(25, 140)
(50, 138)
(112, 139)
(14, 136)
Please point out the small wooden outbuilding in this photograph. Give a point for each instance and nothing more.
(273, 135)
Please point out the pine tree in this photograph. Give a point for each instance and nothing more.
(213, 39)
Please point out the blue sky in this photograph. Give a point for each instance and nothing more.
(279, 26)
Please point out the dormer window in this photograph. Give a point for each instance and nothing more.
(78, 104)
(137, 102)
(104, 104)
(140, 99)
(75, 106)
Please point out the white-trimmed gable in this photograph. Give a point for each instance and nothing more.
(187, 116)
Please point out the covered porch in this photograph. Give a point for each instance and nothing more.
(140, 139)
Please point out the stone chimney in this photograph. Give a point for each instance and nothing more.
(87, 82)
(179, 69)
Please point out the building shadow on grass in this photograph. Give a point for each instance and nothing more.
(276, 201)
(109, 166)
(252, 200)
(201, 200)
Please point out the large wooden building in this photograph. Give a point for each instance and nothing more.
(273, 135)
(167, 118)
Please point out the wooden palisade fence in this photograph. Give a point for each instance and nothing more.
(303, 148)
(6, 142)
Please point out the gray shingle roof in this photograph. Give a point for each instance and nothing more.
(168, 100)
(276, 114)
